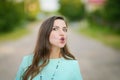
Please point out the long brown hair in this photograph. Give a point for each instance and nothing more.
(42, 49)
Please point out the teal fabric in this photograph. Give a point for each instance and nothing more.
(67, 70)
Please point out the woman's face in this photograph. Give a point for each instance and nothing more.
(58, 34)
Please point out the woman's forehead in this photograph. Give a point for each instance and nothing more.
(59, 23)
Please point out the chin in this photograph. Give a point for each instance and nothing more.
(61, 46)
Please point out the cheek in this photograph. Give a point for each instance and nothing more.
(53, 37)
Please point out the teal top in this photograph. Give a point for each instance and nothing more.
(67, 69)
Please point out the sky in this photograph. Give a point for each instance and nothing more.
(49, 5)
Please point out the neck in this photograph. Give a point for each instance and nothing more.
(55, 53)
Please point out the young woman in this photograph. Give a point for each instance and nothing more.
(51, 59)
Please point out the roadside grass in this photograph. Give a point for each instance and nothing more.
(105, 35)
(16, 34)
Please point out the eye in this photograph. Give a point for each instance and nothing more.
(55, 29)
(65, 29)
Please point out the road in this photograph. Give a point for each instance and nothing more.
(97, 61)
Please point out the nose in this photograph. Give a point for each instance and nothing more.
(61, 32)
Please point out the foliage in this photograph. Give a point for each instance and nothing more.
(111, 11)
(32, 9)
(108, 16)
(73, 10)
(11, 15)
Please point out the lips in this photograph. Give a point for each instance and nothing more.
(62, 40)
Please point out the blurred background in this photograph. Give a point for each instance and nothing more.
(94, 34)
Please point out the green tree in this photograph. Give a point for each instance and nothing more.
(11, 15)
(32, 9)
(108, 16)
(73, 10)
(111, 11)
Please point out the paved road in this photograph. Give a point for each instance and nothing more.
(97, 61)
